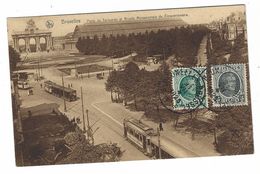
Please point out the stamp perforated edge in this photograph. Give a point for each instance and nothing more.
(244, 82)
(206, 86)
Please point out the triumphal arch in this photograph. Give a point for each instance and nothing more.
(31, 38)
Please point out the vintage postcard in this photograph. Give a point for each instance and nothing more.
(134, 85)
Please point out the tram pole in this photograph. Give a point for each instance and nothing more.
(63, 93)
(41, 66)
(90, 132)
(159, 143)
(82, 107)
(87, 118)
(39, 73)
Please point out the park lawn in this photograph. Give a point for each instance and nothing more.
(86, 69)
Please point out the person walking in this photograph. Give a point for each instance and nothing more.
(161, 126)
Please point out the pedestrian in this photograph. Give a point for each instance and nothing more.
(71, 85)
(78, 120)
(68, 85)
(160, 126)
(41, 85)
(73, 120)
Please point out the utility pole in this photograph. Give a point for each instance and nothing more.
(41, 67)
(82, 107)
(36, 72)
(63, 93)
(87, 118)
(39, 73)
(159, 143)
(90, 132)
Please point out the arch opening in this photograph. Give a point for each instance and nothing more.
(43, 44)
(21, 45)
(32, 44)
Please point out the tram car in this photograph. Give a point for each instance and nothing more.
(58, 90)
(23, 84)
(147, 140)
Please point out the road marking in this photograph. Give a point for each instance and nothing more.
(109, 116)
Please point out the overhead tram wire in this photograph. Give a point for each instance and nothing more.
(68, 109)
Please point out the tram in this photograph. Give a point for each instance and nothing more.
(147, 140)
(58, 90)
(23, 84)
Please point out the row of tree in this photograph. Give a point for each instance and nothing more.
(143, 87)
(182, 42)
(236, 52)
(234, 122)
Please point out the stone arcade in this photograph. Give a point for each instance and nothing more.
(35, 40)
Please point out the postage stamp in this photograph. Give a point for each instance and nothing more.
(229, 85)
(189, 88)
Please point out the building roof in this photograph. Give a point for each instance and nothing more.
(138, 125)
(70, 34)
(128, 26)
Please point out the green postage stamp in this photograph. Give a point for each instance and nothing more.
(229, 86)
(189, 88)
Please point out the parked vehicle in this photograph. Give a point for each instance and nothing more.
(100, 76)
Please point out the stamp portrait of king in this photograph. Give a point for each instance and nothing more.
(229, 85)
(189, 88)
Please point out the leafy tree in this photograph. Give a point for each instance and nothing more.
(112, 84)
(237, 136)
(14, 58)
(183, 42)
(131, 71)
(165, 84)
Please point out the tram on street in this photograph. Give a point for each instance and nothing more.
(147, 140)
(58, 90)
(23, 84)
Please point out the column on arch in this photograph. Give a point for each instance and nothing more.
(47, 42)
(16, 44)
(37, 42)
(27, 44)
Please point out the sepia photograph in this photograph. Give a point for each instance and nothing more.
(130, 85)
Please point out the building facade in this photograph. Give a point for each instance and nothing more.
(230, 27)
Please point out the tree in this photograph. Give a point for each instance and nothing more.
(80, 45)
(131, 71)
(14, 58)
(165, 82)
(237, 136)
(112, 83)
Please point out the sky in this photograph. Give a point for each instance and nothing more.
(61, 28)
